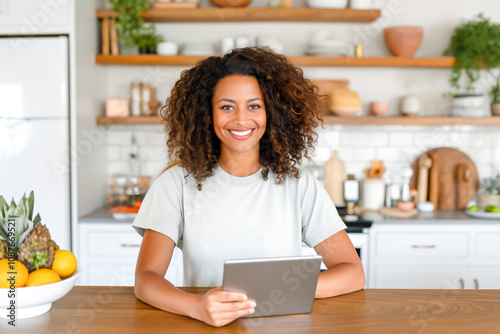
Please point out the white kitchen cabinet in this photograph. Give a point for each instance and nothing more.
(108, 255)
(435, 255)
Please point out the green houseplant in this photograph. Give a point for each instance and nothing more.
(495, 97)
(147, 40)
(475, 44)
(133, 32)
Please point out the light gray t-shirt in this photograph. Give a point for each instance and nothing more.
(236, 217)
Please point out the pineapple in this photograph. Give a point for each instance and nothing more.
(37, 250)
(32, 243)
(4, 249)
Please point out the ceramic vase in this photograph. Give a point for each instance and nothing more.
(231, 3)
(403, 41)
(495, 109)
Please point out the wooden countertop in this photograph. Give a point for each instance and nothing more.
(89, 309)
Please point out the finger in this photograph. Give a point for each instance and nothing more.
(235, 314)
(236, 306)
(227, 296)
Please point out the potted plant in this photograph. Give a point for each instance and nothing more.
(489, 193)
(495, 98)
(147, 40)
(131, 25)
(475, 44)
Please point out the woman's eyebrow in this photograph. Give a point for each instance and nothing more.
(233, 101)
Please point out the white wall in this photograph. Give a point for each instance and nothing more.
(91, 150)
(396, 145)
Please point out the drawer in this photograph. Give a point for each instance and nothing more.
(488, 245)
(422, 245)
(113, 243)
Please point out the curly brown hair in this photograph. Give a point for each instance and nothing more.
(291, 102)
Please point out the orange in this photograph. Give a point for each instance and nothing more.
(42, 276)
(64, 263)
(17, 271)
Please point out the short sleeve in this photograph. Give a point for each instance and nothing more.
(161, 209)
(320, 218)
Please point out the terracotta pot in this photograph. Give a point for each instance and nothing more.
(495, 109)
(403, 41)
(379, 108)
(231, 3)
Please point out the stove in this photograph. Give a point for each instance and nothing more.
(355, 223)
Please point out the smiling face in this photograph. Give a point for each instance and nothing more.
(239, 115)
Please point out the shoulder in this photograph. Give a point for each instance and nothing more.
(172, 177)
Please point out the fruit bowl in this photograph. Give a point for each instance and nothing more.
(36, 300)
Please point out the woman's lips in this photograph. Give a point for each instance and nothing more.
(241, 134)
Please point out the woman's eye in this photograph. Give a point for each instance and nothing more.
(254, 106)
(227, 107)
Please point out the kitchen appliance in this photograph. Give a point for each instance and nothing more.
(34, 127)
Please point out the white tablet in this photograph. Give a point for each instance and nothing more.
(279, 285)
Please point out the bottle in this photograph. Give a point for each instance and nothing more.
(135, 99)
(335, 176)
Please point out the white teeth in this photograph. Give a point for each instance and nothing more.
(240, 133)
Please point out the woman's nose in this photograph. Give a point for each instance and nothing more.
(241, 116)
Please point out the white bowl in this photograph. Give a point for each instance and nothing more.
(36, 300)
(336, 4)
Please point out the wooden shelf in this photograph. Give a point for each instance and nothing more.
(180, 60)
(135, 120)
(402, 120)
(252, 15)
(356, 121)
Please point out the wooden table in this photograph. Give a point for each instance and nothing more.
(116, 310)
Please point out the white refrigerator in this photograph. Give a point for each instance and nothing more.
(34, 128)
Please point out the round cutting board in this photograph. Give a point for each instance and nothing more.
(452, 190)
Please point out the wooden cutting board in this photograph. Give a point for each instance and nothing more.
(454, 188)
(325, 87)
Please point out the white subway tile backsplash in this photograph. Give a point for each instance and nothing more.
(388, 153)
(118, 167)
(365, 153)
(401, 138)
(153, 153)
(114, 153)
(360, 138)
(396, 146)
(119, 137)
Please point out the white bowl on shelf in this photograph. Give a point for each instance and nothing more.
(332, 4)
(36, 300)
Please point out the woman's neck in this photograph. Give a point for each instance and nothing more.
(239, 164)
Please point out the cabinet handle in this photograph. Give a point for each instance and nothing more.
(476, 284)
(130, 245)
(462, 284)
(423, 246)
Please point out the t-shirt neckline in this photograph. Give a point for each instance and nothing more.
(238, 179)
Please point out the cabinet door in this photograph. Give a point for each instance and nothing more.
(484, 277)
(108, 256)
(418, 277)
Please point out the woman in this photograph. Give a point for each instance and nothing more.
(239, 125)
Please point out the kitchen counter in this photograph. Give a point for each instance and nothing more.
(102, 215)
(460, 217)
(91, 309)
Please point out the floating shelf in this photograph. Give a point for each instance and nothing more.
(402, 120)
(364, 120)
(252, 15)
(152, 59)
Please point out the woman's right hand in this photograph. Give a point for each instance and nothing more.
(218, 308)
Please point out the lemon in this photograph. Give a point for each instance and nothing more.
(16, 273)
(64, 263)
(42, 276)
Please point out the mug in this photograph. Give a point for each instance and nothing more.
(410, 105)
